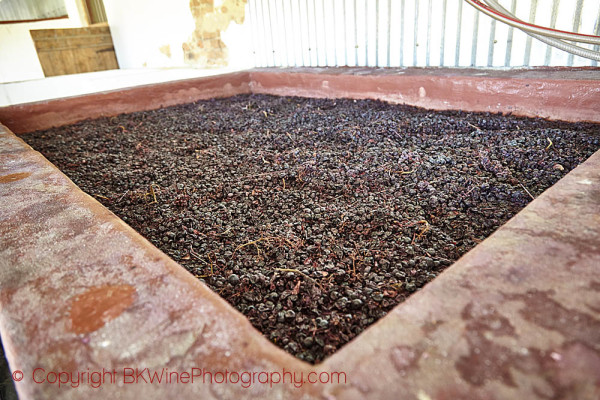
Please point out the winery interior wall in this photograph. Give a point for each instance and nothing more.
(240, 34)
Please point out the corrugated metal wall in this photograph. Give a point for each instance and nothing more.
(411, 33)
(27, 10)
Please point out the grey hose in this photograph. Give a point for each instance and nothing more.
(559, 44)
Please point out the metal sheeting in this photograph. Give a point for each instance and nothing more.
(411, 33)
(25, 10)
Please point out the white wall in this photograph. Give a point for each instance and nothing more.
(18, 58)
(140, 28)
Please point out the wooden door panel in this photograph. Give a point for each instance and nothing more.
(75, 50)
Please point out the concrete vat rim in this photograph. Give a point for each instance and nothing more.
(424, 347)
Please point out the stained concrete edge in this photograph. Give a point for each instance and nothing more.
(517, 317)
(80, 289)
(571, 94)
(46, 114)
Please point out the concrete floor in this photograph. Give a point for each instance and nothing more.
(77, 84)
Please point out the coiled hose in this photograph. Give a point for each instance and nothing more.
(550, 36)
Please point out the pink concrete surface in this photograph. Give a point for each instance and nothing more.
(81, 289)
(569, 94)
(518, 317)
(46, 114)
